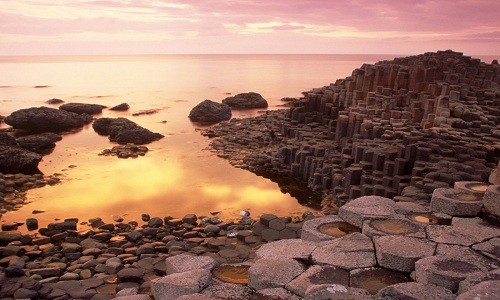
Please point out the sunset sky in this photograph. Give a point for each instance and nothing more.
(52, 27)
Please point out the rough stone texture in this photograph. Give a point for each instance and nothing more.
(82, 108)
(463, 231)
(349, 252)
(185, 262)
(446, 271)
(274, 294)
(491, 200)
(39, 143)
(120, 107)
(317, 275)
(447, 200)
(393, 226)
(358, 210)
(487, 290)
(489, 248)
(414, 290)
(133, 297)
(310, 230)
(17, 160)
(246, 101)
(290, 248)
(43, 119)
(124, 131)
(178, 284)
(210, 112)
(223, 290)
(400, 253)
(476, 278)
(262, 276)
(335, 292)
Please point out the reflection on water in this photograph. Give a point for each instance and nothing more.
(177, 176)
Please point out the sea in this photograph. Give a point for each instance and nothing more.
(180, 174)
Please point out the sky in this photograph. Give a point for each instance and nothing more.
(66, 27)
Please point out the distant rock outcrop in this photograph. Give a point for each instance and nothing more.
(246, 101)
(120, 107)
(82, 108)
(210, 112)
(54, 101)
(124, 131)
(44, 119)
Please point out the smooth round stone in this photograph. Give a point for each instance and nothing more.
(232, 274)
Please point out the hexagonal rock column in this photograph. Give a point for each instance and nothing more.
(477, 278)
(491, 201)
(273, 272)
(475, 187)
(335, 292)
(455, 202)
(178, 284)
(485, 290)
(312, 230)
(489, 248)
(350, 252)
(393, 226)
(293, 248)
(414, 290)
(274, 293)
(318, 275)
(358, 210)
(185, 262)
(400, 253)
(463, 231)
(446, 271)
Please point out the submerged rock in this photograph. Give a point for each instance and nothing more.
(17, 160)
(83, 108)
(39, 142)
(246, 101)
(43, 119)
(210, 112)
(124, 131)
(120, 107)
(54, 101)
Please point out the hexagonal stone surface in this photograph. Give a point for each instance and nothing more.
(349, 252)
(291, 248)
(274, 294)
(223, 290)
(463, 251)
(185, 262)
(463, 231)
(491, 200)
(336, 292)
(446, 271)
(415, 290)
(475, 279)
(363, 208)
(178, 284)
(393, 226)
(273, 272)
(490, 248)
(401, 252)
(375, 279)
(316, 275)
(487, 290)
(310, 229)
(456, 202)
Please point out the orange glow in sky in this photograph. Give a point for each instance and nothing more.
(53, 27)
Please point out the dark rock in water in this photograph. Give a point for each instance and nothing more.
(31, 223)
(145, 112)
(39, 142)
(54, 101)
(83, 108)
(120, 107)
(8, 140)
(17, 160)
(124, 131)
(43, 119)
(210, 112)
(246, 101)
(1, 118)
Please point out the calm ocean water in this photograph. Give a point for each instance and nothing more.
(179, 175)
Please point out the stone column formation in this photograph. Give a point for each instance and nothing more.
(398, 129)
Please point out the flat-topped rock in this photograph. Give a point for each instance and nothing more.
(273, 272)
(375, 279)
(274, 294)
(393, 226)
(176, 285)
(358, 210)
(317, 275)
(224, 290)
(456, 202)
(446, 271)
(489, 248)
(82, 108)
(463, 231)
(491, 200)
(289, 248)
(352, 251)
(415, 290)
(336, 292)
(487, 290)
(400, 253)
(326, 228)
(246, 101)
(476, 278)
(185, 262)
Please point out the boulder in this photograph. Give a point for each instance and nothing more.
(364, 208)
(17, 160)
(82, 108)
(120, 107)
(54, 101)
(209, 112)
(273, 272)
(39, 142)
(8, 140)
(43, 119)
(246, 101)
(185, 262)
(124, 131)
(176, 285)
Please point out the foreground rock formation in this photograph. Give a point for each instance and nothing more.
(124, 131)
(398, 129)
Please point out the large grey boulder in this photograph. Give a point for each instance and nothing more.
(83, 108)
(175, 285)
(210, 112)
(43, 119)
(246, 101)
(17, 160)
(124, 131)
(273, 272)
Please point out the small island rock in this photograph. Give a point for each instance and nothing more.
(246, 101)
(82, 108)
(54, 101)
(124, 131)
(43, 119)
(210, 112)
(120, 107)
